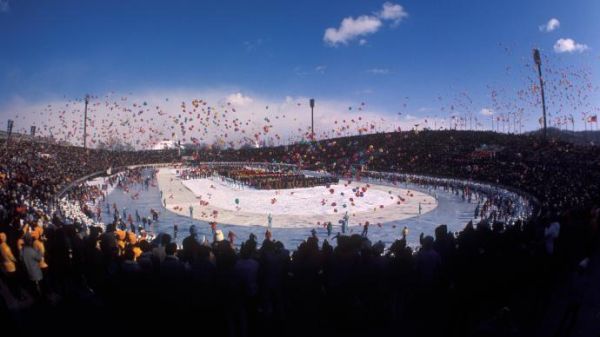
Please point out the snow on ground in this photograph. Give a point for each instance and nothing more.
(298, 201)
(215, 199)
(450, 209)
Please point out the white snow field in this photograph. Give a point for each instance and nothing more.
(213, 199)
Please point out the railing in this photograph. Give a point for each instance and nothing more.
(115, 170)
(242, 163)
(515, 193)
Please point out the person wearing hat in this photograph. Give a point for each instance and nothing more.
(219, 235)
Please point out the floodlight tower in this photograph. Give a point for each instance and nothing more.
(312, 119)
(87, 100)
(9, 128)
(538, 61)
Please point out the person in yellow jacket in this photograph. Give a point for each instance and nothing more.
(120, 234)
(9, 267)
(38, 245)
(8, 259)
(132, 241)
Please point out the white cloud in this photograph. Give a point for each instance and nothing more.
(392, 11)
(569, 46)
(239, 99)
(362, 42)
(549, 26)
(352, 28)
(378, 71)
(320, 69)
(486, 112)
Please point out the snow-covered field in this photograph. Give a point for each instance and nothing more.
(223, 201)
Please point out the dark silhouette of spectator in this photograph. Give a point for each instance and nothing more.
(190, 245)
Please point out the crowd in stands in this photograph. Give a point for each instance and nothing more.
(492, 279)
(561, 175)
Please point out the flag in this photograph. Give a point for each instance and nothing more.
(593, 119)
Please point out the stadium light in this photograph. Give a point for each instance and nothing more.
(9, 128)
(538, 61)
(87, 100)
(312, 119)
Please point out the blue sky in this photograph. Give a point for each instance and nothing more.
(414, 53)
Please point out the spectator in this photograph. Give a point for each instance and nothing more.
(191, 245)
(31, 259)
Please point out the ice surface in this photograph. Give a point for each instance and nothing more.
(299, 207)
(451, 210)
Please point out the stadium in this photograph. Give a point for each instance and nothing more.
(61, 193)
(214, 212)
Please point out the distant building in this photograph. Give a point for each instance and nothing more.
(165, 145)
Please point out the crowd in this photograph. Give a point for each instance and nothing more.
(561, 175)
(268, 180)
(263, 178)
(491, 279)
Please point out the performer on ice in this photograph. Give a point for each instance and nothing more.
(270, 221)
(345, 220)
